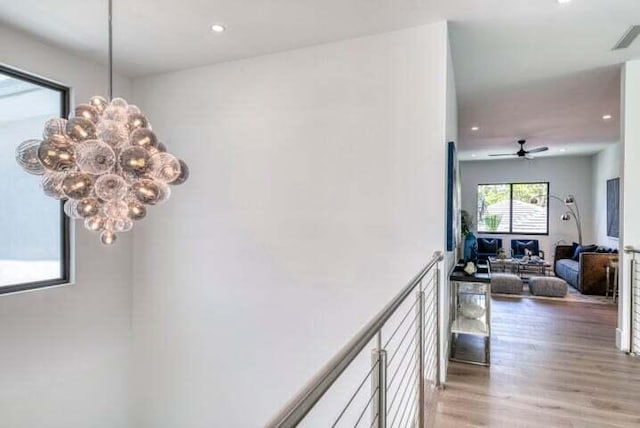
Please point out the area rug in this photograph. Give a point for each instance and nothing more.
(573, 295)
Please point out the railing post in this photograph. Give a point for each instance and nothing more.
(379, 384)
(632, 279)
(420, 353)
(438, 326)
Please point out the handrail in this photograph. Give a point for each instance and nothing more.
(629, 249)
(298, 407)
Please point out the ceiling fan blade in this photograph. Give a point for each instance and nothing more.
(538, 150)
(504, 154)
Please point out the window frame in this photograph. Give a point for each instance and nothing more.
(65, 223)
(511, 232)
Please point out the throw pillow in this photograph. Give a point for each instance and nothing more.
(584, 249)
(574, 247)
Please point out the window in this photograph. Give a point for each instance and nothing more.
(34, 232)
(514, 208)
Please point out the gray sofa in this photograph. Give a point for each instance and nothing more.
(588, 274)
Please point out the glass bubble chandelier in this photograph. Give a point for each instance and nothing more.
(105, 162)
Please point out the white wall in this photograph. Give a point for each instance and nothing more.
(566, 175)
(63, 351)
(630, 201)
(451, 128)
(315, 174)
(606, 165)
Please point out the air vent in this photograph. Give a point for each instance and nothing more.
(628, 37)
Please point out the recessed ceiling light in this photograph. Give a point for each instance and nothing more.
(217, 28)
(475, 128)
(564, 1)
(563, 150)
(607, 117)
(473, 156)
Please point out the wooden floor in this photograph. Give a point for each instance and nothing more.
(554, 364)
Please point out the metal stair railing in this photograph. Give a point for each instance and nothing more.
(403, 374)
(634, 275)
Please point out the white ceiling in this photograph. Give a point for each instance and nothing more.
(524, 68)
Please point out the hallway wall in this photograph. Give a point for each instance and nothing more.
(606, 165)
(64, 351)
(631, 202)
(317, 192)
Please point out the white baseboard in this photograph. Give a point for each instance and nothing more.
(619, 339)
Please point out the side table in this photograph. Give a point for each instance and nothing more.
(471, 309)
(613, 264)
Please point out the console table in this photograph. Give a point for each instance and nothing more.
(471, 309)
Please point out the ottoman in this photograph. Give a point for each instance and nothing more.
(506, 283)
(548, 286)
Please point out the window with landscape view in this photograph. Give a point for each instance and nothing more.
(513, 208)
(35, 233)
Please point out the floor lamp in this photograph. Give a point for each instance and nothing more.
(573, 212)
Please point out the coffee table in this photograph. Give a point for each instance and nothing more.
(523, 269)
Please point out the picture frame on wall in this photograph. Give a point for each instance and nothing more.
(453, 198)
(613, 208)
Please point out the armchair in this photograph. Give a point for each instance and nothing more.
(518, 247)
(488, 247)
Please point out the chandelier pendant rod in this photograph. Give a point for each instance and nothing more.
(110, 49)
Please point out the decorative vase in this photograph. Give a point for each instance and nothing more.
(470, 248)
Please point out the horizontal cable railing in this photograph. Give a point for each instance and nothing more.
(394, 384)
(634, 275)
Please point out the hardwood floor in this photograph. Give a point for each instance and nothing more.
(554, 364)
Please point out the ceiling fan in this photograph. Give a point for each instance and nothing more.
(522, 153)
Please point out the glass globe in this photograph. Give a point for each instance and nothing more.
(88, 207)
(60, 140)
(77, 185)
(55, 157)
(146, 191)
(165, 192)
(27, 157)
(95, 157)
(70, 209)
(184, 174)
(99, 103)
(164, 167)
(137, 121)
(116, 208)
(143, 137)
(113, 133)
(51, 184)
(94, 223)
(119, 103)
(110, 186)
(80, 129)
(88, 112)
(55, 126)
(137, 211)
(107, 237)
(122, 224)
(134, 160)
(133, 109)
(117, 113)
